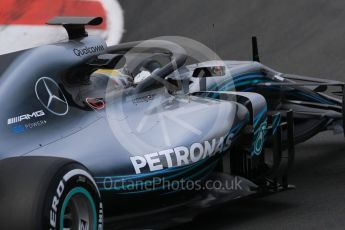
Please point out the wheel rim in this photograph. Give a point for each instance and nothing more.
(78, 211)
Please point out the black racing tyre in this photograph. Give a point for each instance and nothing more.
(38, 193)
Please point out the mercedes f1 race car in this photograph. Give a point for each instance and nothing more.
(145, 128)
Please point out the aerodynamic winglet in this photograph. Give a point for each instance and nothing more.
(75, 26)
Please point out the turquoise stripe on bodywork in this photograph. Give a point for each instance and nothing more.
(259, 116)
(232, 82)
(276, 123)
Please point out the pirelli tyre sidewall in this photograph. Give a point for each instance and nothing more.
(73, 184)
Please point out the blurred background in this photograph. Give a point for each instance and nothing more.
(297, 36)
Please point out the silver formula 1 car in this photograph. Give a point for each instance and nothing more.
(138, 129)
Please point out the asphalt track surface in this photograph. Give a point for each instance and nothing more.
(296, 36)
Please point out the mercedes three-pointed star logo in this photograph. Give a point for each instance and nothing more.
(51, 96)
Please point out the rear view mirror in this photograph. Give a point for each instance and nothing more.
(212, 71)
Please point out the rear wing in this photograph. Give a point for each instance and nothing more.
(75, 26)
